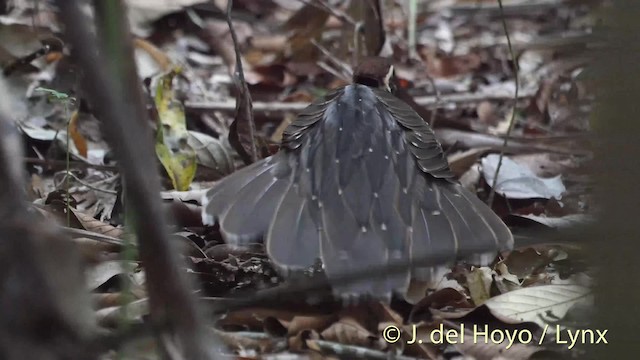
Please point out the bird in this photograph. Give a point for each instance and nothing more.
(359, 181)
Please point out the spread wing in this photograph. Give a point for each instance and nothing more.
(360, 182)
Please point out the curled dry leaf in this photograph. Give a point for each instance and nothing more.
(461, 162)
(213, 154)
(89, 223)
(443, 298)
(349, 331)
(479, 283)
(245, 342)
(112, 316)
(102, 272)
(504, 280)
(317, 323)
(523, 263)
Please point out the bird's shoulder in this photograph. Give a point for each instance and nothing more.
(416, 134)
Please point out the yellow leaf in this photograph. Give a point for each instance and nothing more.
(180, 166)
(172, 148)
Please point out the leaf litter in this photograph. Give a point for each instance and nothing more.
(542, 179)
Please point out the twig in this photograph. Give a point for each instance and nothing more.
(428, 101)
(322, 5)
(521, 8)
(326, 67)
(93, 236)
(346, 69)
(513, 112)
(356, 43)
(310, 288)
(62, 163)
(355, 352)
(90, 186)
(434, 113)
(411, 28)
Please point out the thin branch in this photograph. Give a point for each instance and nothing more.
(112, 86)
(322, 5)
(428, 101)
(62, 163)
(311, 288)
(434, 113)
(346, 69)
(412, 29)
(94, 186)
(512, 121)
(355, 352)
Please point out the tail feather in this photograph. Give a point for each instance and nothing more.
(219, 198)
(244, 202)
(433, 232)
(293, 240)
(249, 216)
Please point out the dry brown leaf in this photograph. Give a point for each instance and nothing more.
(91, 224)
(526, 262)
(161, 59)
(479, 283)
(79, 141)
(487, 113)
(112, 316)
(253, 317)
(250, 341)
(462, 161)
(306, 24)
(316, 322)
(349, 331)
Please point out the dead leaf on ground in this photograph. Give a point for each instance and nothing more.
(543, 305)
(518, 182)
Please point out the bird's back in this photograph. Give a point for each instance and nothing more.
(360, 182)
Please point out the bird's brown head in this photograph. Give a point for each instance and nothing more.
(376, 72)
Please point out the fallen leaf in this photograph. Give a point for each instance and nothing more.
(479, 282)
(172, 147)
(542, 305)
(519, 182)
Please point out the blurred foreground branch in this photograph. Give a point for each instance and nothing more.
(113, 88)
(617, 235)
(45, 312)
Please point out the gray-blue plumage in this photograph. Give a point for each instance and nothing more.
(360, 181)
